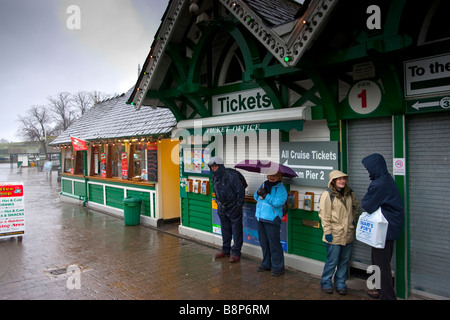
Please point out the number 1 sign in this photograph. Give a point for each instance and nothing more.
(364, 97)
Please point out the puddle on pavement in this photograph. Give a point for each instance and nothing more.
(64, 270)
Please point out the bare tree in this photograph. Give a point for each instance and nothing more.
(63, 113)
(83, 101)
(64, 109)
(36, 125)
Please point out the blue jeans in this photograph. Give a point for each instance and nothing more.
(269, 239)
(337, 259)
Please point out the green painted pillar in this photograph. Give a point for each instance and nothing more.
(402, 244)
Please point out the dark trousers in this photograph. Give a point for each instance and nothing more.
(231, 225)
(382, 259)
(269, 239)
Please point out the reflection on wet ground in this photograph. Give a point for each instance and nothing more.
(66, 246)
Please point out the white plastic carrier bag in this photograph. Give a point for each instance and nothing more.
(372, 229)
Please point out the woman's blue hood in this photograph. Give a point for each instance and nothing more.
(376, 165)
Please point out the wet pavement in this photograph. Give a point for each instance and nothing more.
(72, 253)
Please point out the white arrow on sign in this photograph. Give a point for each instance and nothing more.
(419, 104)
(306, 167)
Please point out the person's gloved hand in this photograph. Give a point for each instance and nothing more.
(329, 237)
(261, 192)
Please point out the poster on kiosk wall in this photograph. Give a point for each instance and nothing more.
(124, 159)
(12, 209)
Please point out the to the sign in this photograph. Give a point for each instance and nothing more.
(427, 76)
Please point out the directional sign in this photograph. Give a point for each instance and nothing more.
(427, 76)
(312, 161)
(431, 104)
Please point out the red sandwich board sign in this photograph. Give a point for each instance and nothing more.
(12, 209)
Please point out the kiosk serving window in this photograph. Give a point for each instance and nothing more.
(124, 161)
(73, 162)
(68, 161)
(79, 162)
(138, 157)
(116, 160)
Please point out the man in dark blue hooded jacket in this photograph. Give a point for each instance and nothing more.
(383, 192)
(230, 194)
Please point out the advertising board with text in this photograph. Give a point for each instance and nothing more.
(12, 209)
(312, 161)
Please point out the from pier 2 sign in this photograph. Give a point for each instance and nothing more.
(312, 161)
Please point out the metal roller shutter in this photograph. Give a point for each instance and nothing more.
(366, 136)
(429, 202)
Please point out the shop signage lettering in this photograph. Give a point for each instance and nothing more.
(233, 129)
(243, 101)
(427, 76)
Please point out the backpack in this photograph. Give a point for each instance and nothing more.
(240, 176)
(332, 197)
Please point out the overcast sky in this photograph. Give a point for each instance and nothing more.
(40, 55)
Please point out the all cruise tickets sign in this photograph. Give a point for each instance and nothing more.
(312, 161)
(12, 209)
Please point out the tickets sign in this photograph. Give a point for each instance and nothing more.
(12, 209)
(242, 101)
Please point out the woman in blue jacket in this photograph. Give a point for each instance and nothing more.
(270, 198)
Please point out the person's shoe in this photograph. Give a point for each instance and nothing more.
(234, 259)
(277, 273)
(221, 255)
(374, 293)
(342, 292)
(327, 290)
(261, 269)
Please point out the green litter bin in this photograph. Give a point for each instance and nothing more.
(132, 211)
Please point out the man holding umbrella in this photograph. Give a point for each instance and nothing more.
(230, 195)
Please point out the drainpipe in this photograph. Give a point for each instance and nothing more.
(85, 202)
